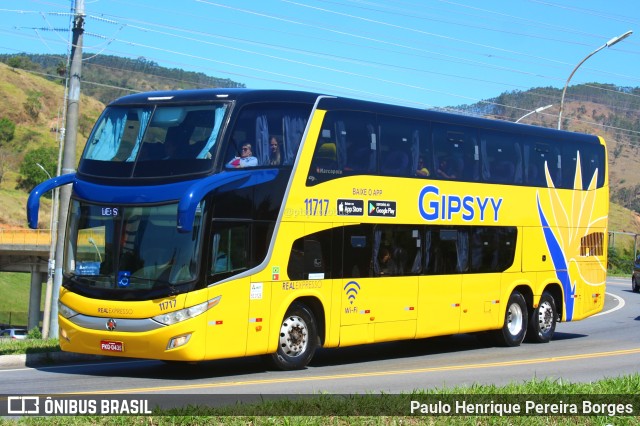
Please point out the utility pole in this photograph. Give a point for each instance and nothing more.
(55, 205)
(69, 155)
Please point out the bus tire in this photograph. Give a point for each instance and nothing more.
(515, 322)
(542, 323)
(297, 339)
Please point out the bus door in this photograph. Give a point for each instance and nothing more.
(227, 323)
(441, 283)
(491, 252)
(439, 305)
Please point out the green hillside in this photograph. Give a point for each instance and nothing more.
(34, 105)
(107, 77)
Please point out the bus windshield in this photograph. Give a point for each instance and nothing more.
(131, 250)
(153, 141)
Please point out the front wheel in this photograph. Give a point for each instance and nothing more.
(298, 339)
(542, 323)
(515, 322)
(635, 287)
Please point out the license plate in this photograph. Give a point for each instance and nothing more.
(111, 346)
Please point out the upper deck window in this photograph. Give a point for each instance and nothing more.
(153, 141)
(266, 135)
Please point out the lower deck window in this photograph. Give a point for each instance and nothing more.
(399, 250)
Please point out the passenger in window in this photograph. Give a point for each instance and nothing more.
(387, 264)
(246, 158)
(422, 169)
(443, 170)
(274, 151)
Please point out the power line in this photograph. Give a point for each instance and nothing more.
(305, 81)
(480, 64)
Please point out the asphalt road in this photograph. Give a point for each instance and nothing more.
(606, 345)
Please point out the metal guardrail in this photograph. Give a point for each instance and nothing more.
(25, 237)
(19, 239)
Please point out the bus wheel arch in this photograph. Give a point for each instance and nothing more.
(317, 309)
(555, 290)
(298, 335)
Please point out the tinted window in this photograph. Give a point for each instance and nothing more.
(492, 248)
(535, 155)
(501, 158)
(592, 160)
(396, 250)
(400, 140)
(446, 250)
(230, 248)
(263, 125)
(154, 141)
(400, 250)
(237, 246)
(456, 152)
(313, 257)
(358, 251)
(347, 145)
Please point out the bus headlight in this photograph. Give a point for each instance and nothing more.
(65, 311)
(186, 313)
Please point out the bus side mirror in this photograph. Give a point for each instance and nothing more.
(33, 202)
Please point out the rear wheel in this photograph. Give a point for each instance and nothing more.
(542, 323)
(515, 322)
(635, 287)
(298, 339)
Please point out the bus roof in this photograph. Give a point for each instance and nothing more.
(329, 102)
(203, 95)
(332, 103)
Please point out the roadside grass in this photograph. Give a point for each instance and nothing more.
(26, 346)
(612, 395)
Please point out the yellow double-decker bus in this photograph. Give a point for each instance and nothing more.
(223, 223)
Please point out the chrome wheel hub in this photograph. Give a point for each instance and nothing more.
(293, 336)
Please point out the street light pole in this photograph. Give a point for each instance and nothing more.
(607, 44)
(535, 111)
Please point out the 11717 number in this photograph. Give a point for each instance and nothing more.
(316, 206)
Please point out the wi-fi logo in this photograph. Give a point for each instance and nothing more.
(351, 290)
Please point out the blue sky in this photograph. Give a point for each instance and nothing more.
(422, 53)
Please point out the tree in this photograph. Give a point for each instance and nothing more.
(61, 69)
(22, 62)
(33, 104)
(30, 173)
(7, 130)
